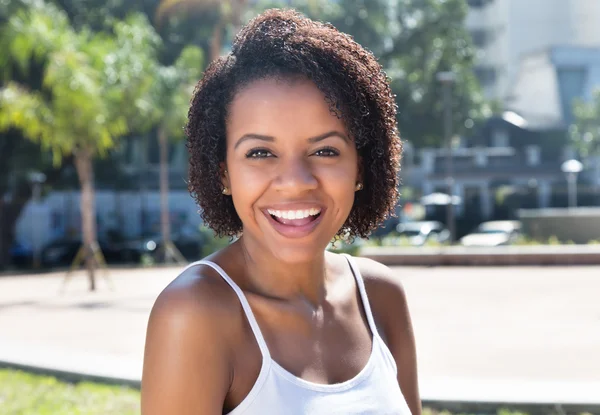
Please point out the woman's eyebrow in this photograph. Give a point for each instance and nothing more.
(271, 139)
(246, 137)
(327, 135)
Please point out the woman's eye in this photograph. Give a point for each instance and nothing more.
(327, 152)
(258, 153)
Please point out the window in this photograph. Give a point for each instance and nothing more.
(485, 75)
(571, 81)
(480, 37)
(500, 138)
(478, 3)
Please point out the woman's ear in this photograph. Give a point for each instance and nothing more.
(360, 171)
(224, 175)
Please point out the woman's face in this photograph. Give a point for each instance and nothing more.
(291, 167)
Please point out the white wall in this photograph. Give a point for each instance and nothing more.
(585, 22)
(521, 27)
(58, 214)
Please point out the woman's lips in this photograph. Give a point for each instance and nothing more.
(294, 228)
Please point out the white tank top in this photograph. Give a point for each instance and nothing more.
(373, 391)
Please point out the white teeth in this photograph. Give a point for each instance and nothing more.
(294, 214)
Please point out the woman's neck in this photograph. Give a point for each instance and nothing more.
(269, 276)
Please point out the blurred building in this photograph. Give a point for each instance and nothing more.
(127, 197)
(548, 82)
(505, 31)
(504, 167)
(534, 57)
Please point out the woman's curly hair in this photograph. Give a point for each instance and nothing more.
(282, 44)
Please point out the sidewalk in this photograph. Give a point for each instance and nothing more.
(484, 335)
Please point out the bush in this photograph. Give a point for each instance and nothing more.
(344, 247)
(394, 239)
(211, 242)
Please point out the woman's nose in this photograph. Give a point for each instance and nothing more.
(295, 175)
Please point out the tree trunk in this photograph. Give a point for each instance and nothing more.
(216, 43)
(165, 224)
(83, 164)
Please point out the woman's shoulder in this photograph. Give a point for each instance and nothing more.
(190, 327)
(380, 280)
(197, 297)
(385, 292)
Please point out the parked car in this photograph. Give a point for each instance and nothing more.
(419, 233)
(188, 241)
(493, 233)
(62, 252)
(21, 255)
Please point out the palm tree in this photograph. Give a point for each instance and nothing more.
(93, 86)
(230, 14)
(174, 87)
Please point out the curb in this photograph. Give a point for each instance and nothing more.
(72, 377)
(477, 256)
(71, 366)
(455, 406)
(492, 408)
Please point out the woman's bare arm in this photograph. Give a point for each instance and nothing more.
(186, 366)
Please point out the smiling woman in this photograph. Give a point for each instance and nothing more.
(292, 141)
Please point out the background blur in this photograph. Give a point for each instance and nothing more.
(521, 83)
(498, 110)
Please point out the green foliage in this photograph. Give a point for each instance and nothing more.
(25, 394)
(167, 7)
(414, 41)
(585, 130)
(96, 86)
(211, 242)
(223, 16)
(174, 87)
(553, 240)
(346, 247)
(394, 239)
(177, 32)
(93, 83)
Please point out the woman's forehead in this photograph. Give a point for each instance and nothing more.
(273, 102)
(276, 89)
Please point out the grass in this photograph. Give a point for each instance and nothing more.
(26, 394)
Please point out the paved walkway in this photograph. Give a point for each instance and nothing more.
(519, 335)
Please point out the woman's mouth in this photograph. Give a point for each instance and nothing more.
(294, 223)
(295, 217)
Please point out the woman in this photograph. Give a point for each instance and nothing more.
(292, 141)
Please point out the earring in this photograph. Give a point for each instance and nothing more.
(359, 186)
(225, 191)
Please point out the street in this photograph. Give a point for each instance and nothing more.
(480, 324)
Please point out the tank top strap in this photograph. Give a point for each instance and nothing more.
(245, 305)
(363, 294)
